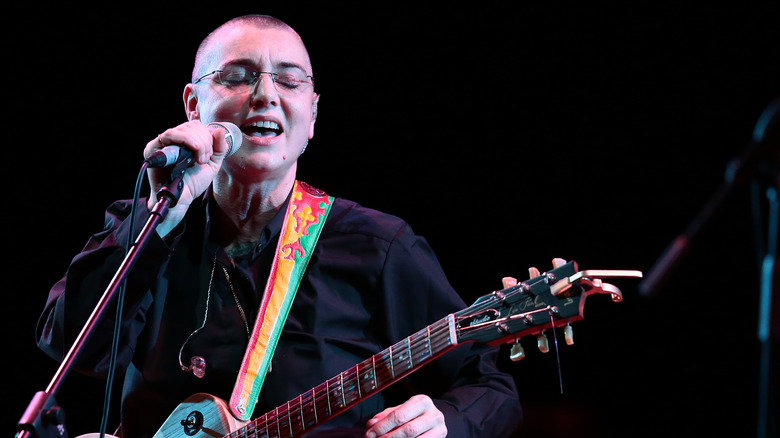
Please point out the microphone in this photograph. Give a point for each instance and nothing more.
(172, 155)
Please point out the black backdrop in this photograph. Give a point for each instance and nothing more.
(505, 135)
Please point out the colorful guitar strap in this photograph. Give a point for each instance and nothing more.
(303, 222)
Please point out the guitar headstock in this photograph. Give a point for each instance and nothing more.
(550, 299)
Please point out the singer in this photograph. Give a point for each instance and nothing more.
(258, 287)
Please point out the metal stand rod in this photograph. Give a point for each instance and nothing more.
(43, 418)
(768, 335)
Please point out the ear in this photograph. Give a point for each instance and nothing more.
(315, 101)
(190, 98)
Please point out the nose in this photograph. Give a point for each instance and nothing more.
(264, 91)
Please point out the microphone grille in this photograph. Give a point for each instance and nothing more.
(233, 136)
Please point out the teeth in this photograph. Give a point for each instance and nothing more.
(267, 124)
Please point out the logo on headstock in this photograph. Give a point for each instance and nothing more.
(479, 318)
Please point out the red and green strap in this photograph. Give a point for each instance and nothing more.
(303, 222)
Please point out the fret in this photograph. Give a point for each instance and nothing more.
(409, 351)
(430, 351)
(349, 389)
(314, 405)
(355, 391)
(289, 419)
(300, 406)
(327, 392)
(278, 427)
(357, 380)
(306, 404)
(373, 368)
(392, 368)
(341, 385)
(265, 427)
(369, 375)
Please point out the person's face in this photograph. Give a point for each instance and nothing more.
(277, 121)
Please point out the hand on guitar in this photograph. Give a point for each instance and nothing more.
(415, 417)
(418, 415)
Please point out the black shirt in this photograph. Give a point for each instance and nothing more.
(370, 283)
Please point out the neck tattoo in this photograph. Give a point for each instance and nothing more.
(240, 249)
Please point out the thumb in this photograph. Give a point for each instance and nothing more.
(228, 132)
(220, 146)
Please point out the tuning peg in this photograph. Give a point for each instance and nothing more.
(533, 273)
(568, 334)
(558, 262)
(517, 353)
(542, 344)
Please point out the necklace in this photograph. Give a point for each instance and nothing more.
(198, 363)
(235, 297)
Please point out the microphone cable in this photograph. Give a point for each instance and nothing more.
(119, 306)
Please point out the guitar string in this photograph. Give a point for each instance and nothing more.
(283, 413)
(352, 375)
(442, 338)
(557, 353)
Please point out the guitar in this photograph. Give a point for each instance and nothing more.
(548, 300)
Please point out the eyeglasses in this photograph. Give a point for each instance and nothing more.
(242, 78)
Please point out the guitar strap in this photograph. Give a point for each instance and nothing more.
(303, 222)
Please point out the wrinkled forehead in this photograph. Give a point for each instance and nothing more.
(268, 48)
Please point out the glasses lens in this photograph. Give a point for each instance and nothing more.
(241, 78)
(291, 81)
(237, 77)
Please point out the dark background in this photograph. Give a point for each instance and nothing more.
(505, 135)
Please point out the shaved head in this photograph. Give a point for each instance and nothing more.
(259, 21)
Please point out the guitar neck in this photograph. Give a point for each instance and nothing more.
(354, 385)
(548, 300)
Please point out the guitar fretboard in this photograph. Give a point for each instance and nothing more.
(350, 387)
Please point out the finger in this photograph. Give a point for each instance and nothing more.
(375, 419)
(153, 145)
(219, 134)
(428, 424)
(193, 135)
(411, 416)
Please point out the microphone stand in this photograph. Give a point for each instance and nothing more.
(769, 283)
(769, 313)
(43, 418)
(760, 166)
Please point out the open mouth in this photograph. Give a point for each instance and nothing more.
(265, 128)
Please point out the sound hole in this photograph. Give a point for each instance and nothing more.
(193, 423)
